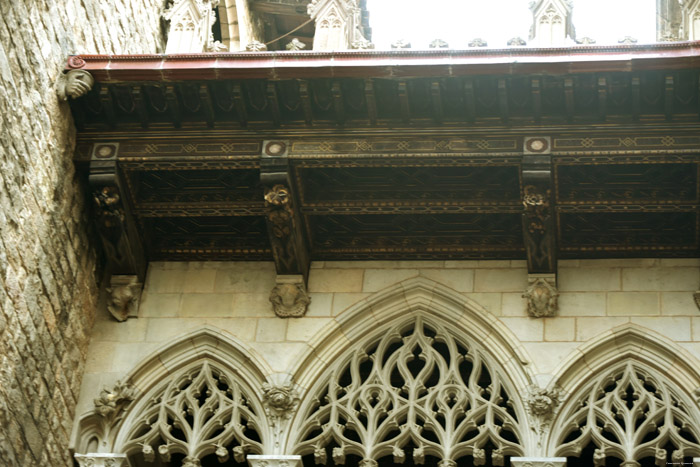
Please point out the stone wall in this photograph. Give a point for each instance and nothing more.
(48, 286)
(596, 296)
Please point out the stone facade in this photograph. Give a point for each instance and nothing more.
(608, 309)
(47, 288)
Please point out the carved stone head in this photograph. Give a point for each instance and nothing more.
(74, 84)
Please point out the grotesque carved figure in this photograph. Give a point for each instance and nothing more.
(289, 299)
(123, 298)
(111, 401)
(74, 84)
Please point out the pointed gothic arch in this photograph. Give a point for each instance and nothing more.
(195, 397)
(414, 372)
(628, 395)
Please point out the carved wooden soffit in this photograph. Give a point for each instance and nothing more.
(115, 223)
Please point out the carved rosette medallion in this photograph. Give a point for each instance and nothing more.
(542, 295)
(74, 84)
(280, 402)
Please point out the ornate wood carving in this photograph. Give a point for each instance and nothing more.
(539, 233)
(115, 222)
(285, 229)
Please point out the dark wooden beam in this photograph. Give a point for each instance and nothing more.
(274, 103)
(569, 101)
(602, 98)
(371, 101)
(668, 97)
(115, 222)
(338, 105)
(284, 224)
(536, 91)
(402, 90)
(173, 105)
(107, 103)
(469, 100)
(503, 100)
(207, 106)
(436, 96)
(306, 102)
(239, 102)
(539, 230)
(636, 97)
(137, 94)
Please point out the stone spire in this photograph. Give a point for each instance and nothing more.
(552, 25)
(338, 24)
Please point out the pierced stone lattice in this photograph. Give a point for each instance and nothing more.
(416, 392)
(202, 411)
(630, 414)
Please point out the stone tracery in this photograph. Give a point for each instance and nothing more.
(416, 392)
(630, 414)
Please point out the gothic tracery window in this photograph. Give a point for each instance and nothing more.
(627, 416)
(415, 395)
(201, 417)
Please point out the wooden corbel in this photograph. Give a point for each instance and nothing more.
(126, 262)
(539, 229)
(290, 250)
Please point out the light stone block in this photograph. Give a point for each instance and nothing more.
(258, 280)
(582, 304)
(526, 329)
(304, 329)
(588, 279)
(165, 280)
(99, 356)
(378, 279)
(491, 302)
(664, 279)
(241, 328)
(694, 349)
(548, 355)
(335, 280)
(618, 263)
(252, 305)
(461, 280)
(199, 281)
(678, 303)
(343, 301)
(500, 280)
(633, 303)
(676, 328)
(165, 329)
(215, 305)
(568, 263)
(462, 264)
(590, 327)
(321, 305)
(559, 329)
(514, 304)
(153, 305)
(271, 330)
(131, 330)
(128, 355)
(695, 323)
(281, 356)
(680, 262)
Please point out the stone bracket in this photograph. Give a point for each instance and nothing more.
(542, 295)
(289, 296)
(539, 229)
(538, 461)
(124, 295)
(696, 296)
(115, 223)
(284, 226)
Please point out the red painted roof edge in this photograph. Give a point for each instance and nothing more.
(393, 63)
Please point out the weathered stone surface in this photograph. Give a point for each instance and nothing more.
(48, 289)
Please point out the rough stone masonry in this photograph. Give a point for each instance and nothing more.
(48, 287)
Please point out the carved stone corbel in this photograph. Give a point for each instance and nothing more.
(123, 296)
(542, 295)
(289, 297)
(115, 223)
(74, 84)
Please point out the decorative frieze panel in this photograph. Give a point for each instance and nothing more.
(416, 392)
(630, 414)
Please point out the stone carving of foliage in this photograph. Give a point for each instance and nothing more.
(629, 414)
(414, 392)
(202, 411)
